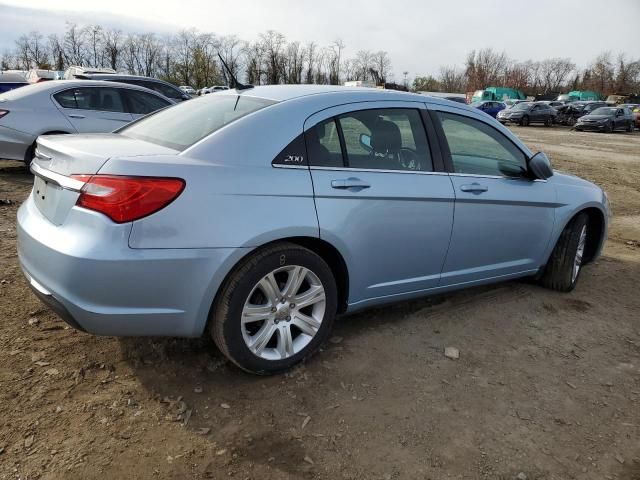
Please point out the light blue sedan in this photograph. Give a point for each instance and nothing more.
(258, 215)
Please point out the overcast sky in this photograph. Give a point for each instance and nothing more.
(420, 35)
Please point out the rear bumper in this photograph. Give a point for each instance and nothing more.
(14, 144)
(86, 273)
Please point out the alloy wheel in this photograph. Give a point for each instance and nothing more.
(577, 261)
(283, 312)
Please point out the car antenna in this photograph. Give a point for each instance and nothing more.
(234, 81)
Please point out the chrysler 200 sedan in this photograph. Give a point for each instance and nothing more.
(258, 215)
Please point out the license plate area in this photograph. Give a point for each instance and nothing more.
(52, 200)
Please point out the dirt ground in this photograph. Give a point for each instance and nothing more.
(547, 385)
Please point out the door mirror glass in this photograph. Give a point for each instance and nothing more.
(540, 166)
(365, 141)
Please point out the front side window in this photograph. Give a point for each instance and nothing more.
(386, 139)
(478, 149)
(184, 124)
(143, 102)
(94, 98)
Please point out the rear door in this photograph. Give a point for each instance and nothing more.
(503, 219)
(93, 109)
(380, 197)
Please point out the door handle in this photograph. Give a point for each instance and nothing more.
(75, 115)
(474, 187)
(349, 183)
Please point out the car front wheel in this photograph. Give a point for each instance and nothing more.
(565, 264)
(275, 309)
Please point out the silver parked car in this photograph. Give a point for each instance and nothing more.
(257, 215)
(68, 106)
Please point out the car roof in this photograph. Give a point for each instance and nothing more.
(54, 85)
(336, 94)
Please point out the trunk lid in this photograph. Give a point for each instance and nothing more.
(57, 157)
(85, 154)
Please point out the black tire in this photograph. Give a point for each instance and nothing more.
(225, 317)
(548, 122)
(608, 128)
(558, 272)
(571, 121)
(525, 121)
(630, 127)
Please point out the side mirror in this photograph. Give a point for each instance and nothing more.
(540, 166)
(365, 141)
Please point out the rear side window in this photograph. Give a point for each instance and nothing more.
(184, 124)
(143, 102)
(323, 145)
(95, 98)
(477, 148)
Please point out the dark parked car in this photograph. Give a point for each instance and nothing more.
(489, 107)
(607, 119)
(528, 112)
(570, 113)
(163, 88)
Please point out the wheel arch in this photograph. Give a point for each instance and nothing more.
(328, 252)
(595, 232)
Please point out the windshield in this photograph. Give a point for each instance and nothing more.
(604, 111)
(522, 106)
(184, 124)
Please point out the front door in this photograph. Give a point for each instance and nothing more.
(503, 219)
(378, 198)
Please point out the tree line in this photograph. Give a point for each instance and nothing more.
(191, 58)
(605, 74)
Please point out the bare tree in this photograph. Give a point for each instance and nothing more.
(75, 45)
(311, 52)
(452, 79)
(381, 62)
(554, 73)
(95, 37)
(485, 67)
(113, 47)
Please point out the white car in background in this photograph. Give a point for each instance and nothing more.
(69, 106)
(188, 89)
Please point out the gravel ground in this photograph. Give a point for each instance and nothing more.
(547, 385)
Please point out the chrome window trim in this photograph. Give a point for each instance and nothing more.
(62, 181)
(295, 167)
(377, 170)
(499, 177)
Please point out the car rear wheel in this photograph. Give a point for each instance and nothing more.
(630, 127)
(571, 121)
(565, 264)
(525, 121)
(548, 122)
(275, 309)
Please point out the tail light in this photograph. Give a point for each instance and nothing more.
(125, 199)
(3, 113)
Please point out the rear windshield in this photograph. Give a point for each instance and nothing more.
(184, 124)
